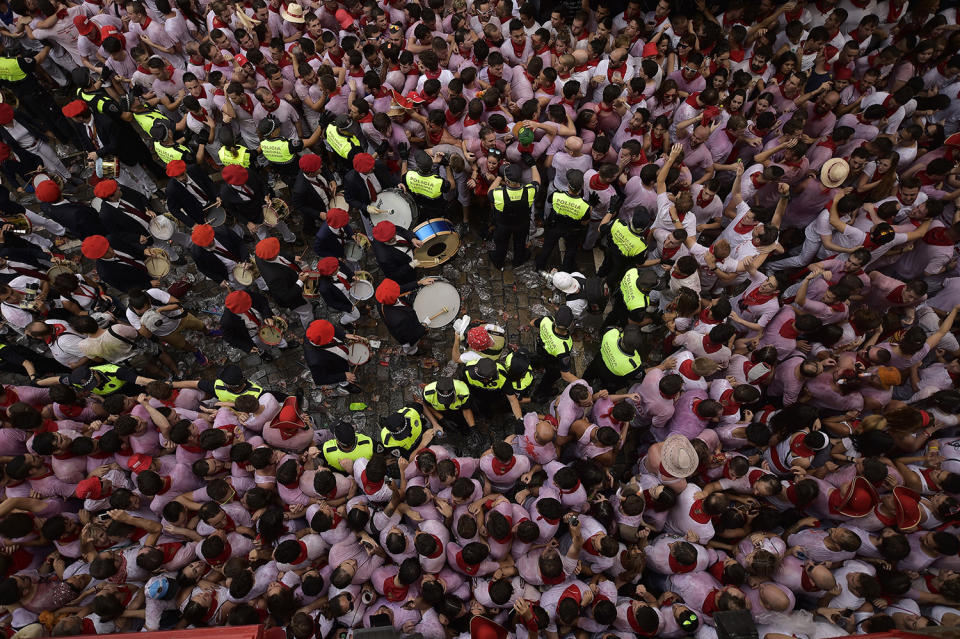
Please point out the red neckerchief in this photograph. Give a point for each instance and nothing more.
(710, 601)
(677, 567)
(471, 570)
(701, 202)
(692, 100)
(789, 329)
(439, 550)
(518, 52)
(807, 583)
(501, 468)
(928, 477)
(730, 407)
(669, 253)
(212, 610)
(550, 89)
(368, 486)
(757, 176)
(709, 346)
(756, 298)
(553, 581)
(686, 369)
(222, 558)
(450, 117)
(697, 513)
(937, 237)
(896, 295)
(302, 557)
(759, 71)
(570, 491)
(597, 184)
(799, 447)
(337, 59)
(716, 569)
(737, 55)
(393, 592)
(10, 397)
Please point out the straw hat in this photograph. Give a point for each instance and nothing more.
(678, 457)
(292, 13)
(833, 172)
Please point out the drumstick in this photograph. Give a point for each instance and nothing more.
(444, 310)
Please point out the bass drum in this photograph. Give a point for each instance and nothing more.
(440, 242)
(402, 210)
(437, 304)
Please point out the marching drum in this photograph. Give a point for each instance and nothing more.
(437, 304)
(245, 273)
(400, 208)
(362, 287)
(339, 202)
(107, 168)
(21, 223)
(275, 211)
(162, 227)
(440, 242)
(157, 262)
(310, 289)
(272, 334)
(216, 216)
(61, 267)
(359, 354)
(353, 251)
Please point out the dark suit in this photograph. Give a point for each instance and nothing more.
(355, 190)
(122, 276)
(182, 202)
(394, 262)
(18, 167)
(80, 220)
(249, 209)
(326, 244)
(234, 329)
(308, 203)
(206, 258)
(124, 227)
(402, 321)
(118, 138)
(332, 295)
(326, 366)
(282, 283)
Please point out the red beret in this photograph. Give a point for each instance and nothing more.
(94, 247)
(388, 292)
(4, 151)
(235, 175)
(89, 488)
(320, 332)
(384, 231)
(202, 235)
(649, 50)
(328, 266)
(139, 462)
(337, 218)
(6, 113)
(83, 25)
(105, 188)
(311, 162)
(238, 302)
(74, 109)
(268, 248)
(48, 191)
(363, 162)
(176, 168)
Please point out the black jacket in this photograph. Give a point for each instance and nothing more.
(282, 283)
(245, 210)
(121, 225)
(331, 293)
(305, 198)
(80, 220)
(394, 262)
(181, 201)
(122, 276)
(235, 330)
(116, 137)
(326, 244)
(325, 364)
(401, 320)
(206, 258)
(355, 190)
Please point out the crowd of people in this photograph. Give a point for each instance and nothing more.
(747, 213)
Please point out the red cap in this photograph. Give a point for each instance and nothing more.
(83, 25)
(74, 109)
(105, 188)
(139, 462)
(48, 191)
(415, 97)
(4, 151)
(89, 488)
(94, 247)
(268, 248)
(483, 628)
(649, 50)
(110, 31)
(843, 73)
(320, 332)
(337, 218)
(328, 266)
(235, 175)
(241, 59)
(907, 504)
(384, 231)
(238, 302)
(344, 18)
(6, 113)
(388, 292)
(363, 162)
(478, 338)
(202, 235)
(400, 100)
(176, 168)
(709, 113)
(310, 162)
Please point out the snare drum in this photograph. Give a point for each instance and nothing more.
(339, 202)
(107, 168)
(61, 267)
(272, 334)
(275, 211)
(310, 288)
(362, 287)
(162, 227)
(402, 209)
(353, 252)
(157, 263)
(438, 302)
(440, 242)
(216, 216)
(359, 354)
(245, 273)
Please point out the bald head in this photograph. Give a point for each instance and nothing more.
(700, 135)
(573, 145)
(823, 577)
(618, 55)
(544, 432)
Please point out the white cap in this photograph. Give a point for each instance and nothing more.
(565, 282)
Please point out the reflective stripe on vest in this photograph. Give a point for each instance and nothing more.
(515, 196)
(113, 383)
(461, 395)
(428, 186)
(340, 144)
(277, 151)
(568, 206)
(628, 243)
(412, 416)
(147, 119)
(241, 156)
(553, 344)
(226, 395)
(616, 361)
(633, 297)
(495, 384)
(10, 70)
(333, 454)
(93, 100)
(168, 154)
(524, 382)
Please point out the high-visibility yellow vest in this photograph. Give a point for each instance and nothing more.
(241, 156)
(147, 119)
(552, 343)
(277, 151)
(428, 186)
(341, 144)
(406, 444)
(94, 100)
(226, 395)
(629, 244)
(514, 196)
(10, 70)
(633, 297)
(461, 396)
(524, 382)
(494, 384)
(113, 383)
(168, 154)
(333, 454)
(569, 206)
(616, 361)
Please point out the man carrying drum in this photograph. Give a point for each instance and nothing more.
(396, 309)
(326, 351)
(333, 286)
(244, 314)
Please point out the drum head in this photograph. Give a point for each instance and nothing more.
(439, 302)
(270, 217)
(353, 252)
(216, 216)
(58, 269)
(359, 354)
(362, 287)
(270, 335)
(157, 266)
(310, 288)
(161, 227)
(243, 274)
(440, 242)
(339, 202)
(401, 207)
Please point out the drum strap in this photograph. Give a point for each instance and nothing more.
(285, 262)
(134, 212)
(219, 249)
(253, 318)
(197, 191)
(128, 260)
(29, 272)
(343, 280)
(339, 348)
(121, 337)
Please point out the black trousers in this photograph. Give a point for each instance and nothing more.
(572, 236)
(502, 235)
(551, 373)
(598, 371)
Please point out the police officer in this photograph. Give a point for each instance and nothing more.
(445, 401)
(519, 376)
(343, 142)
(554, 346)
(346, 448)
(18, 73)
(625, 245)
(145, 116)
(618, 361)
(230, 385)
(512, 203)
(166, 148)
(488, 384)
(426, 187)
(631, 300)
(232, 153)
(401, 432)
(281, 153)
(569, 216)
(102, 380)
